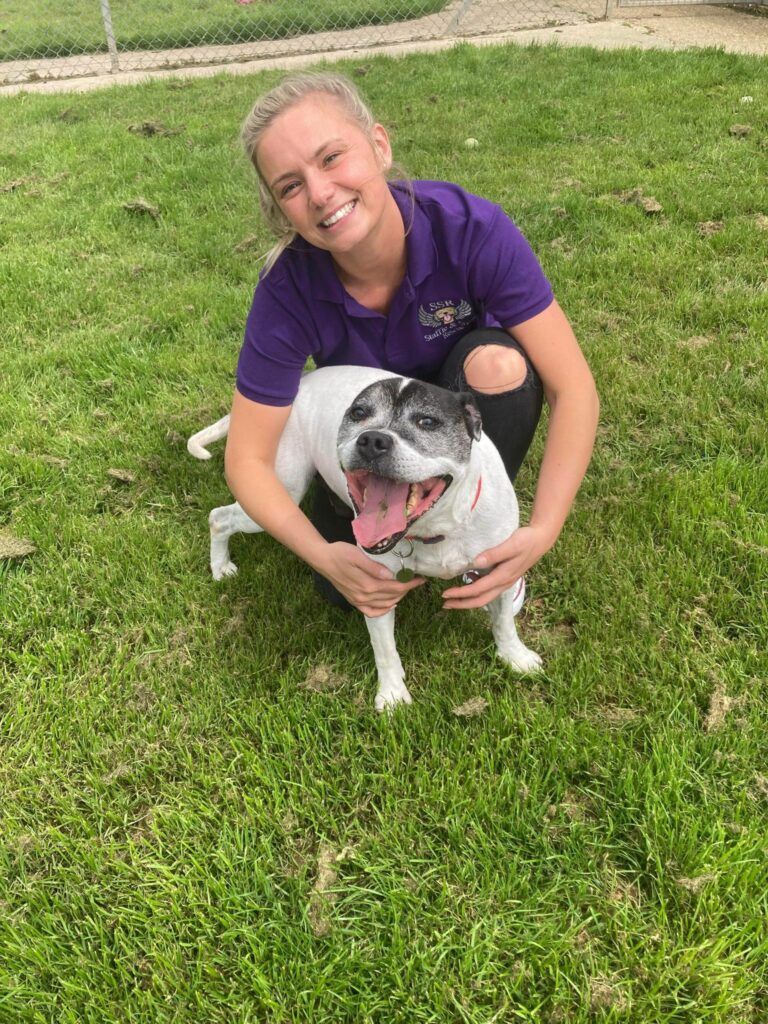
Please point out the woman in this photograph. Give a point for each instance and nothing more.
(419, 278)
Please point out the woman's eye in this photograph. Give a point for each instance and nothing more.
(287, 189)
(330, 157)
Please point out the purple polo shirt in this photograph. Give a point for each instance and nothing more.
(468, 266)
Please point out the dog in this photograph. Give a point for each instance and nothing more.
(427, 487)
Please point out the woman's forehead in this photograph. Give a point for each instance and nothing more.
(302, 128)
(317, 111)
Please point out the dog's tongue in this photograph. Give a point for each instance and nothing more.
(383, 513)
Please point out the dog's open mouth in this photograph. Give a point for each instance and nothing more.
(386, 508)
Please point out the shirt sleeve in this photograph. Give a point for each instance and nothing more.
(505, 275)
(278, 341)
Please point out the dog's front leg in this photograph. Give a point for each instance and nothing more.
(392, 689)
(509, 646)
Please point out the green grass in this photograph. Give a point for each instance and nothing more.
(168, 788)
(32, 29)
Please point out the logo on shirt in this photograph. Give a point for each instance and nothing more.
(447, 317)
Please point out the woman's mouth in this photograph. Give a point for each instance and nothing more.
(339, 215)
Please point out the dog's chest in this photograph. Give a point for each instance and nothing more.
(443, 560)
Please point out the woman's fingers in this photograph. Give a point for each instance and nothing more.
(479, 593)
(366, 584)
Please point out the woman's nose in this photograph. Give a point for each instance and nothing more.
(319, 189)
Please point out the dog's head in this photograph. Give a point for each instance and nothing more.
(401, 444)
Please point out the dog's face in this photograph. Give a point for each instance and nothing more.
(401, 444)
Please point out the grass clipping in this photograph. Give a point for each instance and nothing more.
(15, 547)
(322, 896)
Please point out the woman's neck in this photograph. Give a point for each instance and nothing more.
(380, 263)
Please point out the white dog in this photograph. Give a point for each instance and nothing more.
(428, 489)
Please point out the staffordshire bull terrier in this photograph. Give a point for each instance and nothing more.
(428, 490)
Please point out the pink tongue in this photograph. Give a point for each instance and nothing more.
(383, 513)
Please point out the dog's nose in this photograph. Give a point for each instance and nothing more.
(373, 443)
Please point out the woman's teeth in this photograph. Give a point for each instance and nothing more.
(335, 217)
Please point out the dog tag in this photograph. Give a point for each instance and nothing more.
(405, 575)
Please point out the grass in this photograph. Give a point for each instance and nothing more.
(33, 29)
(189, 833)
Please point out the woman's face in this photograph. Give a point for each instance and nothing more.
(325, 174)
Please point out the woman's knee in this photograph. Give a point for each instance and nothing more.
(492, 369)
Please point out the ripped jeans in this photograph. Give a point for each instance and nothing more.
(509, 417)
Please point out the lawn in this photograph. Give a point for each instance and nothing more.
(32, 28)
(201, 816)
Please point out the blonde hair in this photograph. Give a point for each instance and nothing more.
(292, 90)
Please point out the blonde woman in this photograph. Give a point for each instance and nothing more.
(420, 278)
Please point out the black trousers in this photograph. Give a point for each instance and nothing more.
(509, 418)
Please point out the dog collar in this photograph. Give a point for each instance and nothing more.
(440, 537)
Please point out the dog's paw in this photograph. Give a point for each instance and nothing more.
(389, 698)
(225, 569)
(521, 658)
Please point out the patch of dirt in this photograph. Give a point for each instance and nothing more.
(472, 708)
(322, 897)
(15, 547)
(322, 679)
(606, 994)
(648, 204)
(141, 207)
(124, 476)
(695, 884)
(617, 717)
(149, 128)
(719, 706)
(696, 342)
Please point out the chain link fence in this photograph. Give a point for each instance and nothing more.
(41, 41)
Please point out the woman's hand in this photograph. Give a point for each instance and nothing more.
(510, 560)
(366, 584)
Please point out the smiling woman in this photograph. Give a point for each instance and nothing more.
(327, 176)
(419, 278)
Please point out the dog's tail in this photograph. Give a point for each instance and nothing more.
(196, 444)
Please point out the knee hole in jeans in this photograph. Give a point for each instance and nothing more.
(492, 369)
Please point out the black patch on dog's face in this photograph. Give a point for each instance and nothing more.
(401, 445)
(426, 417)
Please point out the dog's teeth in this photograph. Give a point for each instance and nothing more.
(413, 499)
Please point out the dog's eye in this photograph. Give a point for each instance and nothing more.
(427, 422)
(357, 413)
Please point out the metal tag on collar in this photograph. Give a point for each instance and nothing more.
(404, 575)
(473, 575)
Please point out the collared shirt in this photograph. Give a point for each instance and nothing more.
(467, 266)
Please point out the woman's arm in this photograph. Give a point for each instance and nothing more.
(249, 465)
(572, 397)
(569, 389)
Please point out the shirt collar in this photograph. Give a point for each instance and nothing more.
(418, 233)
(420, 247)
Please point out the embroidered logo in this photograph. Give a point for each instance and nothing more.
(447, 317)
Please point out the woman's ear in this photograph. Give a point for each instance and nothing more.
(381, 146)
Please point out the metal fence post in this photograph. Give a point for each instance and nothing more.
(106, 17)
(454, 23)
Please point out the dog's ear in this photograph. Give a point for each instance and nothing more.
(472, 417)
